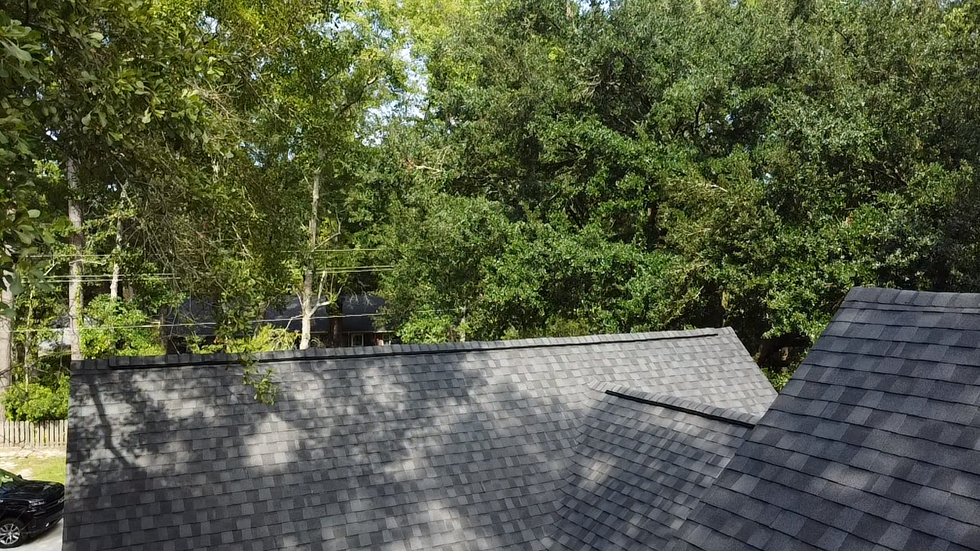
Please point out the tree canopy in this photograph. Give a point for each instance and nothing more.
(492, 168)
(651, 165)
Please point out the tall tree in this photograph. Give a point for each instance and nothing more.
(717, 163)
(322, 70)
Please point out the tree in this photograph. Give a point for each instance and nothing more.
(322, 70)
(669, 164)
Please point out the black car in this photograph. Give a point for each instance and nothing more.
(27, 507)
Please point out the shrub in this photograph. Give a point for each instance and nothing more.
(36, 402)
(118, 328)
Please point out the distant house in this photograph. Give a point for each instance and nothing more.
(358, 326)
(354, 325)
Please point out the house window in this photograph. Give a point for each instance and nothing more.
(357, 339)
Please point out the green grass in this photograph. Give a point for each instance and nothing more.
(51, 469)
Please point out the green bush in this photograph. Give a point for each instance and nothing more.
(36, 402)
(118, 328)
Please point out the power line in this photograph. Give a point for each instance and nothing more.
(93, 255)
(192, 324)
(107, 278)
(213, 323)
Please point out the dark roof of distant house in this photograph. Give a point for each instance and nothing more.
(196, 316)
(641, 463)
(360, 312)
(873, 445)
(450, 446)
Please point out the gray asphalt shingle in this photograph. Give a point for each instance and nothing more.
(462, 446)
(873, 444)
(641, 463)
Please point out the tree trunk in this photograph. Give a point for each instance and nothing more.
(6, 341)
(75, 297)
(308, 302)
(114, 285)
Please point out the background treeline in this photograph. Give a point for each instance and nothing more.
(493, 168)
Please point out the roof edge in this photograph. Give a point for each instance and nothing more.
(667, 401)
(188, 360)
(919, 299)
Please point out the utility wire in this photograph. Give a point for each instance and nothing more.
(194, 324)
(106, 278)
(337, 269)
(93, 255)
(212, 323)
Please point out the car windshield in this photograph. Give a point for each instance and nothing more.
(6, 477)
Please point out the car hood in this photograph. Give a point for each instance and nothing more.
(31, 489)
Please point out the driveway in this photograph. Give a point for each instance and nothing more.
(48, 541)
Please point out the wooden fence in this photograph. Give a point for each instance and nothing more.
(22, 434)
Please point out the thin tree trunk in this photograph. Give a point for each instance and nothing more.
(114, 285)
(75, 297)
(6, 340)
(307, 301)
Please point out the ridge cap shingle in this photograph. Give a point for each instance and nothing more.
(187, 360)
(868, 296)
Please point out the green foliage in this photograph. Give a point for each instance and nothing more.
(22, 225)
(117, 328)
(194, 127)
(263, 339)
(662, 165)
(523, 168)
(35, 402)
(266, 338)
(777, 377)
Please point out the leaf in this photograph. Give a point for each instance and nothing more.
(13, 50)
(34, 213)
(86, 119)
(25, 237)
(97, 36)
(16, 287)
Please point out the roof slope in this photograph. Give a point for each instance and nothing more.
(874, 443)
(641, 463)
(407, 447)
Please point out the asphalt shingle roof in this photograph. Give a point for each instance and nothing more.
(641, 463)
(462, 446)
(873, 445)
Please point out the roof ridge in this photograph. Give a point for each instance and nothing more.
(918, 299)
(132, 362)
(676, 403)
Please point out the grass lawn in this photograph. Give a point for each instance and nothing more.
(36, 465)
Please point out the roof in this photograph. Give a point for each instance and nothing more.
(196, 316)
(641, 463)
(874, 443)
(461, 446)
(360, 312)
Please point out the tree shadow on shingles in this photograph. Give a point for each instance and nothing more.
(438, 454)
(136, 454)
(354, 454)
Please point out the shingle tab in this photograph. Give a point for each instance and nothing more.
(885, 413)
(641, 463)
(463, 446)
